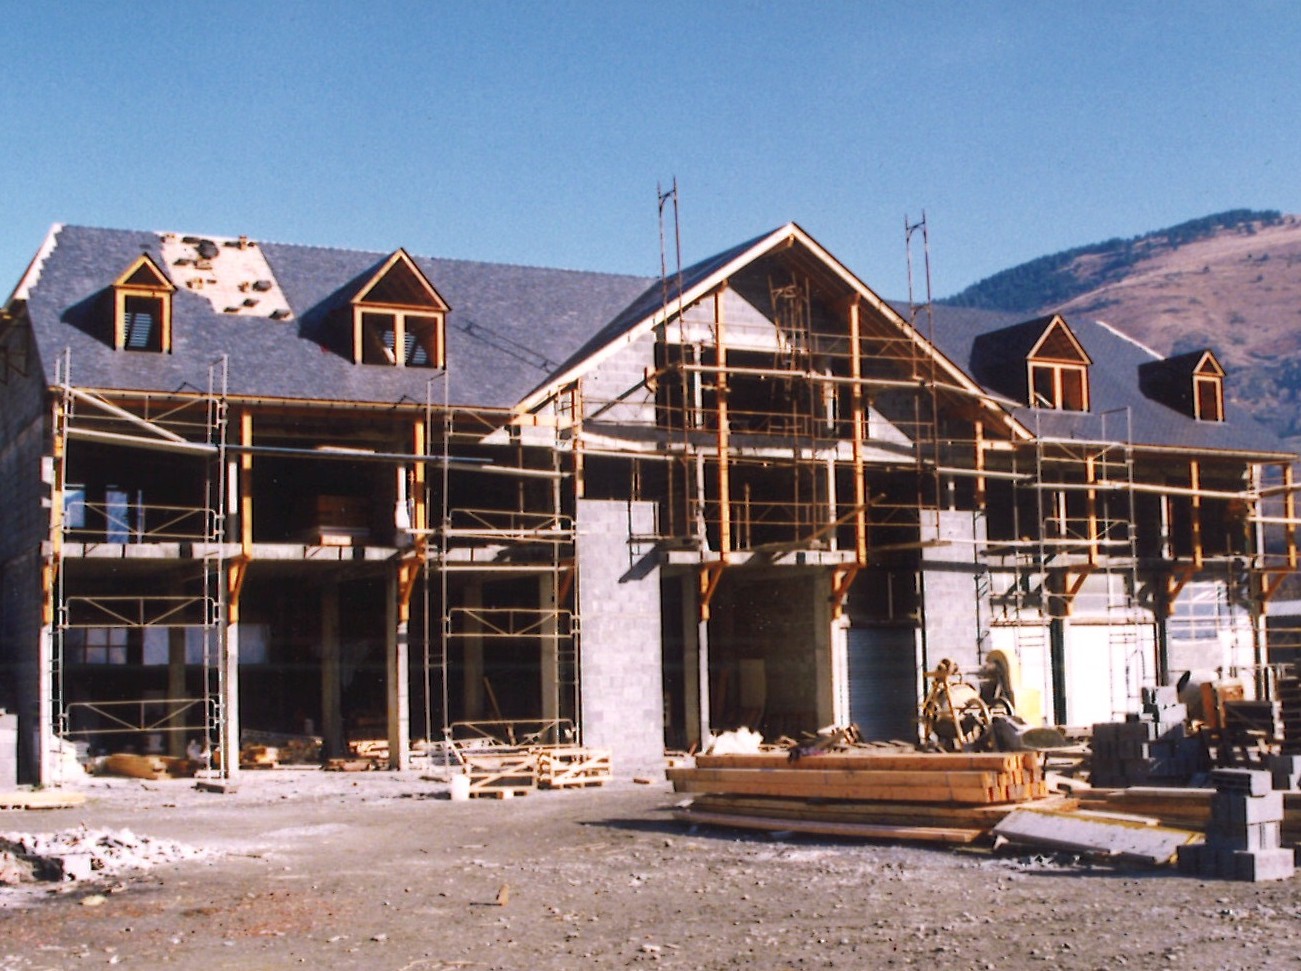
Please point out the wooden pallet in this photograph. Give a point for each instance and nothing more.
(572, 766)
(501, 773)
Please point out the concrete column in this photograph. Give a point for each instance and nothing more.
(331, 673)
(702, 678)
(690, 662)
(399, 688)
(229, 661)
(550, 659)
(45, 761)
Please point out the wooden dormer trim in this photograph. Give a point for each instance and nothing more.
(1057, 369)
(399, 318)
(1208, 389)
(143, 287)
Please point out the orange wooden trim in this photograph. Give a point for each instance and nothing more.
(841, 580)
(565, 585)
(710, 575)
(1273, 582)
(236, 572)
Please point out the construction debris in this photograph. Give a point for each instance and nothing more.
(81, 854)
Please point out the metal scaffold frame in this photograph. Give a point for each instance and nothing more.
(193, 426)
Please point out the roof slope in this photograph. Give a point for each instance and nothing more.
(508, 328)
(1115, 397)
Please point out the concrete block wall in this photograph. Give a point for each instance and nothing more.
(621, 679)
(952, 617)
(24, 525)
(613, 377)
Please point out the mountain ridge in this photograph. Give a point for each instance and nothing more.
(1230, 281)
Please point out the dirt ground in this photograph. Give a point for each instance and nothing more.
(381, 871)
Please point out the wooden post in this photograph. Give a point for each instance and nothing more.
(857, 412)
(1195, 476)
(724, 476)
(1289, 516)
(1091, 511)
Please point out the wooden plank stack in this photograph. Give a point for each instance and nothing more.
(864, 775)
(937, 797)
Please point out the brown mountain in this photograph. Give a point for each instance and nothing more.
(1231, 282)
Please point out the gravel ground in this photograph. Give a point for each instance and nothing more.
(380, 871)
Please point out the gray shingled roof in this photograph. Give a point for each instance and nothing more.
(1114, 389)
(509, 329)
(509, 326)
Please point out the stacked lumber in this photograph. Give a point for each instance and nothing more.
(864, 775)
(254, 756)
(946, 797)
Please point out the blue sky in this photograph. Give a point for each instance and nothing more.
(537, 133)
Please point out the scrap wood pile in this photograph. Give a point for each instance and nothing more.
(863, 791)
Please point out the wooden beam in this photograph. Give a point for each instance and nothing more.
(710, 575)
(1289, 513)
(1195, 477)
(724, 469)
(857, 421)
(246, 485)
(236, 572)
(841, 580)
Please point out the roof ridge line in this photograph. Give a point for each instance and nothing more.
(1126, 337)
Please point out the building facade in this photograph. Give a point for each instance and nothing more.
(261, 488)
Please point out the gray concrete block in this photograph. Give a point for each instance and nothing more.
(1257, 866)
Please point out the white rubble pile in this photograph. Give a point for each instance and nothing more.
(79, 854)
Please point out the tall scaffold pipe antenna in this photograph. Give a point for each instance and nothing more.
(667, 198)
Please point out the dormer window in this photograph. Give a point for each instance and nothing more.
(1208, 389)
(1192, 384)
(399, 318)
(1058, 370)
(142, 308)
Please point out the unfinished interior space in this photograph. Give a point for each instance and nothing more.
(336, 496)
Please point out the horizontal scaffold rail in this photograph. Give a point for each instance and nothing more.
(139, 715)
(142, 522)
(497, 622)
(142, 611)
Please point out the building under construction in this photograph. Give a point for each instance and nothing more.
(263, 488)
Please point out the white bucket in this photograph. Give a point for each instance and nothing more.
(460, 790)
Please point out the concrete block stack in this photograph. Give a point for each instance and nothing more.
(1288, 692)
(1285, 771)
(1150, 747)
(1243, 837)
